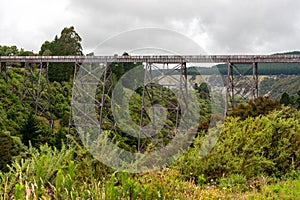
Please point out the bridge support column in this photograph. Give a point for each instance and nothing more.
(71, 121)
(106, 87)
(167, 89)
(92, 76)
(242, 84)
(36, 89)
(230, 102)
(255, 81)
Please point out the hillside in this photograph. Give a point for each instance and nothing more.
(263, 69)
(275, 86)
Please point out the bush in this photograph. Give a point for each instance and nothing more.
(263, 145)
(256, 107)
(10, 147)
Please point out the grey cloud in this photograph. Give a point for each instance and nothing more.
(229, 26)
(232, 26)
(149, 40)
(258, 25)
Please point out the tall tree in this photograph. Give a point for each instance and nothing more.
(68, 44)
(8, 51)
(29, 131)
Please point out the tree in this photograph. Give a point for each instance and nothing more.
(285, 99)
(22, 52)
(203, 90)
(8, 51)
(68, 44)
(30, 130)
(10, 147)
(297, 101)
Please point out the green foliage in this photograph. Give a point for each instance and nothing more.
(36, 171)
(12, 112)
(69, 43)
(10, 147)
(29, 131)
(8, 51)
(201, 180)
(120, 69)
(14, 51)
(49, 173)
(60, 138)
(256, 142)
(61, 94)
(59, 183)
(293, 101)
(65, 181)
(266, 145)
(289, 189)
(19, 192)
(111, 191)
(235, 182)
(203, 90)
(256, 107)
(19, 119)
(285, 99)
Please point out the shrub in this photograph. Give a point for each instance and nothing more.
(10, 147)
(256, 107)
(255, 146)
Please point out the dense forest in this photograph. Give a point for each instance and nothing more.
(257, 155)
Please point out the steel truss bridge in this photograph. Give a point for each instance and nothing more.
(231, 60)
(41, 95)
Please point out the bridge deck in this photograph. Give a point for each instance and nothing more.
(158, 59)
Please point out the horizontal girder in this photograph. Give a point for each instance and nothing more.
(236, 59)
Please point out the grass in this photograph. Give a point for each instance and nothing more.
(164, 184)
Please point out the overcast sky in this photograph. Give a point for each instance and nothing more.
(218, 26)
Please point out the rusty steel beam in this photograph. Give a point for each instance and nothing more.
(255, 92)
(235, 59)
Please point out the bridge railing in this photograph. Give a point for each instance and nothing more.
(158, 59)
